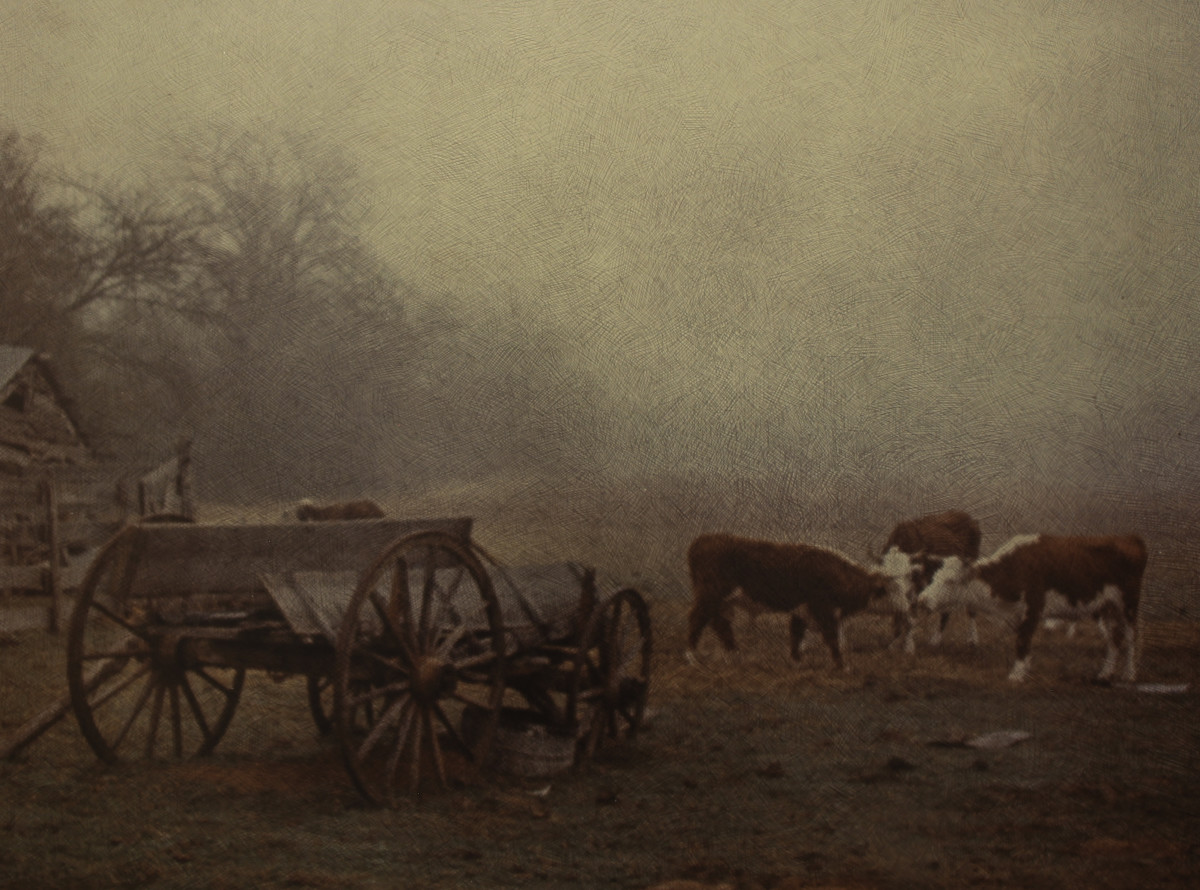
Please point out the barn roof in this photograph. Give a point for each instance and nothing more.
(14, 358)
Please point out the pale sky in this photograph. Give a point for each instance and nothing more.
(874, 240)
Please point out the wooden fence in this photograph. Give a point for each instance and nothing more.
(68, 514)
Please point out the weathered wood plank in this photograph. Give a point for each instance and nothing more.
(541, 604)
(313, 602)
(53, 573)
(25, 613)
(22, 577)
(181, 559)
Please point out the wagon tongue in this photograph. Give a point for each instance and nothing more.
(433, 678)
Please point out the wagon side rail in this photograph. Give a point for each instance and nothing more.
(186, 571)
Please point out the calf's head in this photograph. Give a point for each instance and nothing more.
(950, 586)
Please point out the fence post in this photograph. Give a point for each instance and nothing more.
(183, 477)
(53, 577)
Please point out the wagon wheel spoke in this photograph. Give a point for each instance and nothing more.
(452, 589)
(118, 620)
(400, 608)
(194, 704)
(137, 709)
(99, 701)
(439, 596)
(451, 731)
(448, 642)
(176, 722)
(388, 661)
(220, 708)
(375, 692)
(435, 748)
(425, 618)
(395, 626)
(155, 715)
(227, 691)
(393, 763)
(417, 733)
(475, 661)
(115, 653)
(390, 715)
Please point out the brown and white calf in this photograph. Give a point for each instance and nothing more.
(781, 578)
(307, 511)
(927, 541)
(1037, 576)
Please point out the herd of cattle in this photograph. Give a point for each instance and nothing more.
(930, 564)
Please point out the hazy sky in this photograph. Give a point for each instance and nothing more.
(867, 240)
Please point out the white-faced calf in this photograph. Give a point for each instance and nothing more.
(1037, 576)
(781, 578)
(926, 541)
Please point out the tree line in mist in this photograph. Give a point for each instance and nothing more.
(235, 299)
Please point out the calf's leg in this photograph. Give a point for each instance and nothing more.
(1025, 631)
(798, 627)
(1120, 642)
(705, 611)
(827, 620)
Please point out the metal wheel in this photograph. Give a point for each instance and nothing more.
(138, 688)
(612, 672)
(419, 676)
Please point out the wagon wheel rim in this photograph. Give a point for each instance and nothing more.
(320, 692)
(320, 702)
(612, 672)
(419, 674)
(140, 690)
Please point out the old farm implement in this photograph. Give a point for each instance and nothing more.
(416, 646)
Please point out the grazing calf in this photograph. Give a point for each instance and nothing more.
(1034, 576)
(927, 541)
(739, 601)
(780, 578)
(307, 511)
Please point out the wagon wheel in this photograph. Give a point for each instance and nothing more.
(419, 675)
(612, 671)
(139, 689)
(320, 703)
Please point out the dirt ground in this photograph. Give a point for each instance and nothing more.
(752, 773)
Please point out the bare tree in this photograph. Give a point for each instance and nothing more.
(105, 282)
(39, 243)
(310, 316)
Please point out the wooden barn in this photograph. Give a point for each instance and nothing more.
(46, 465)
(38, 429)
(57, 496)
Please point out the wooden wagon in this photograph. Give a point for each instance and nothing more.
(414, 643)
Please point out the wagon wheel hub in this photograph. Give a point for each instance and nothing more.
(433, 678)
(165, 652)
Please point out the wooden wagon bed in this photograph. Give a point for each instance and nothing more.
(412, 641)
